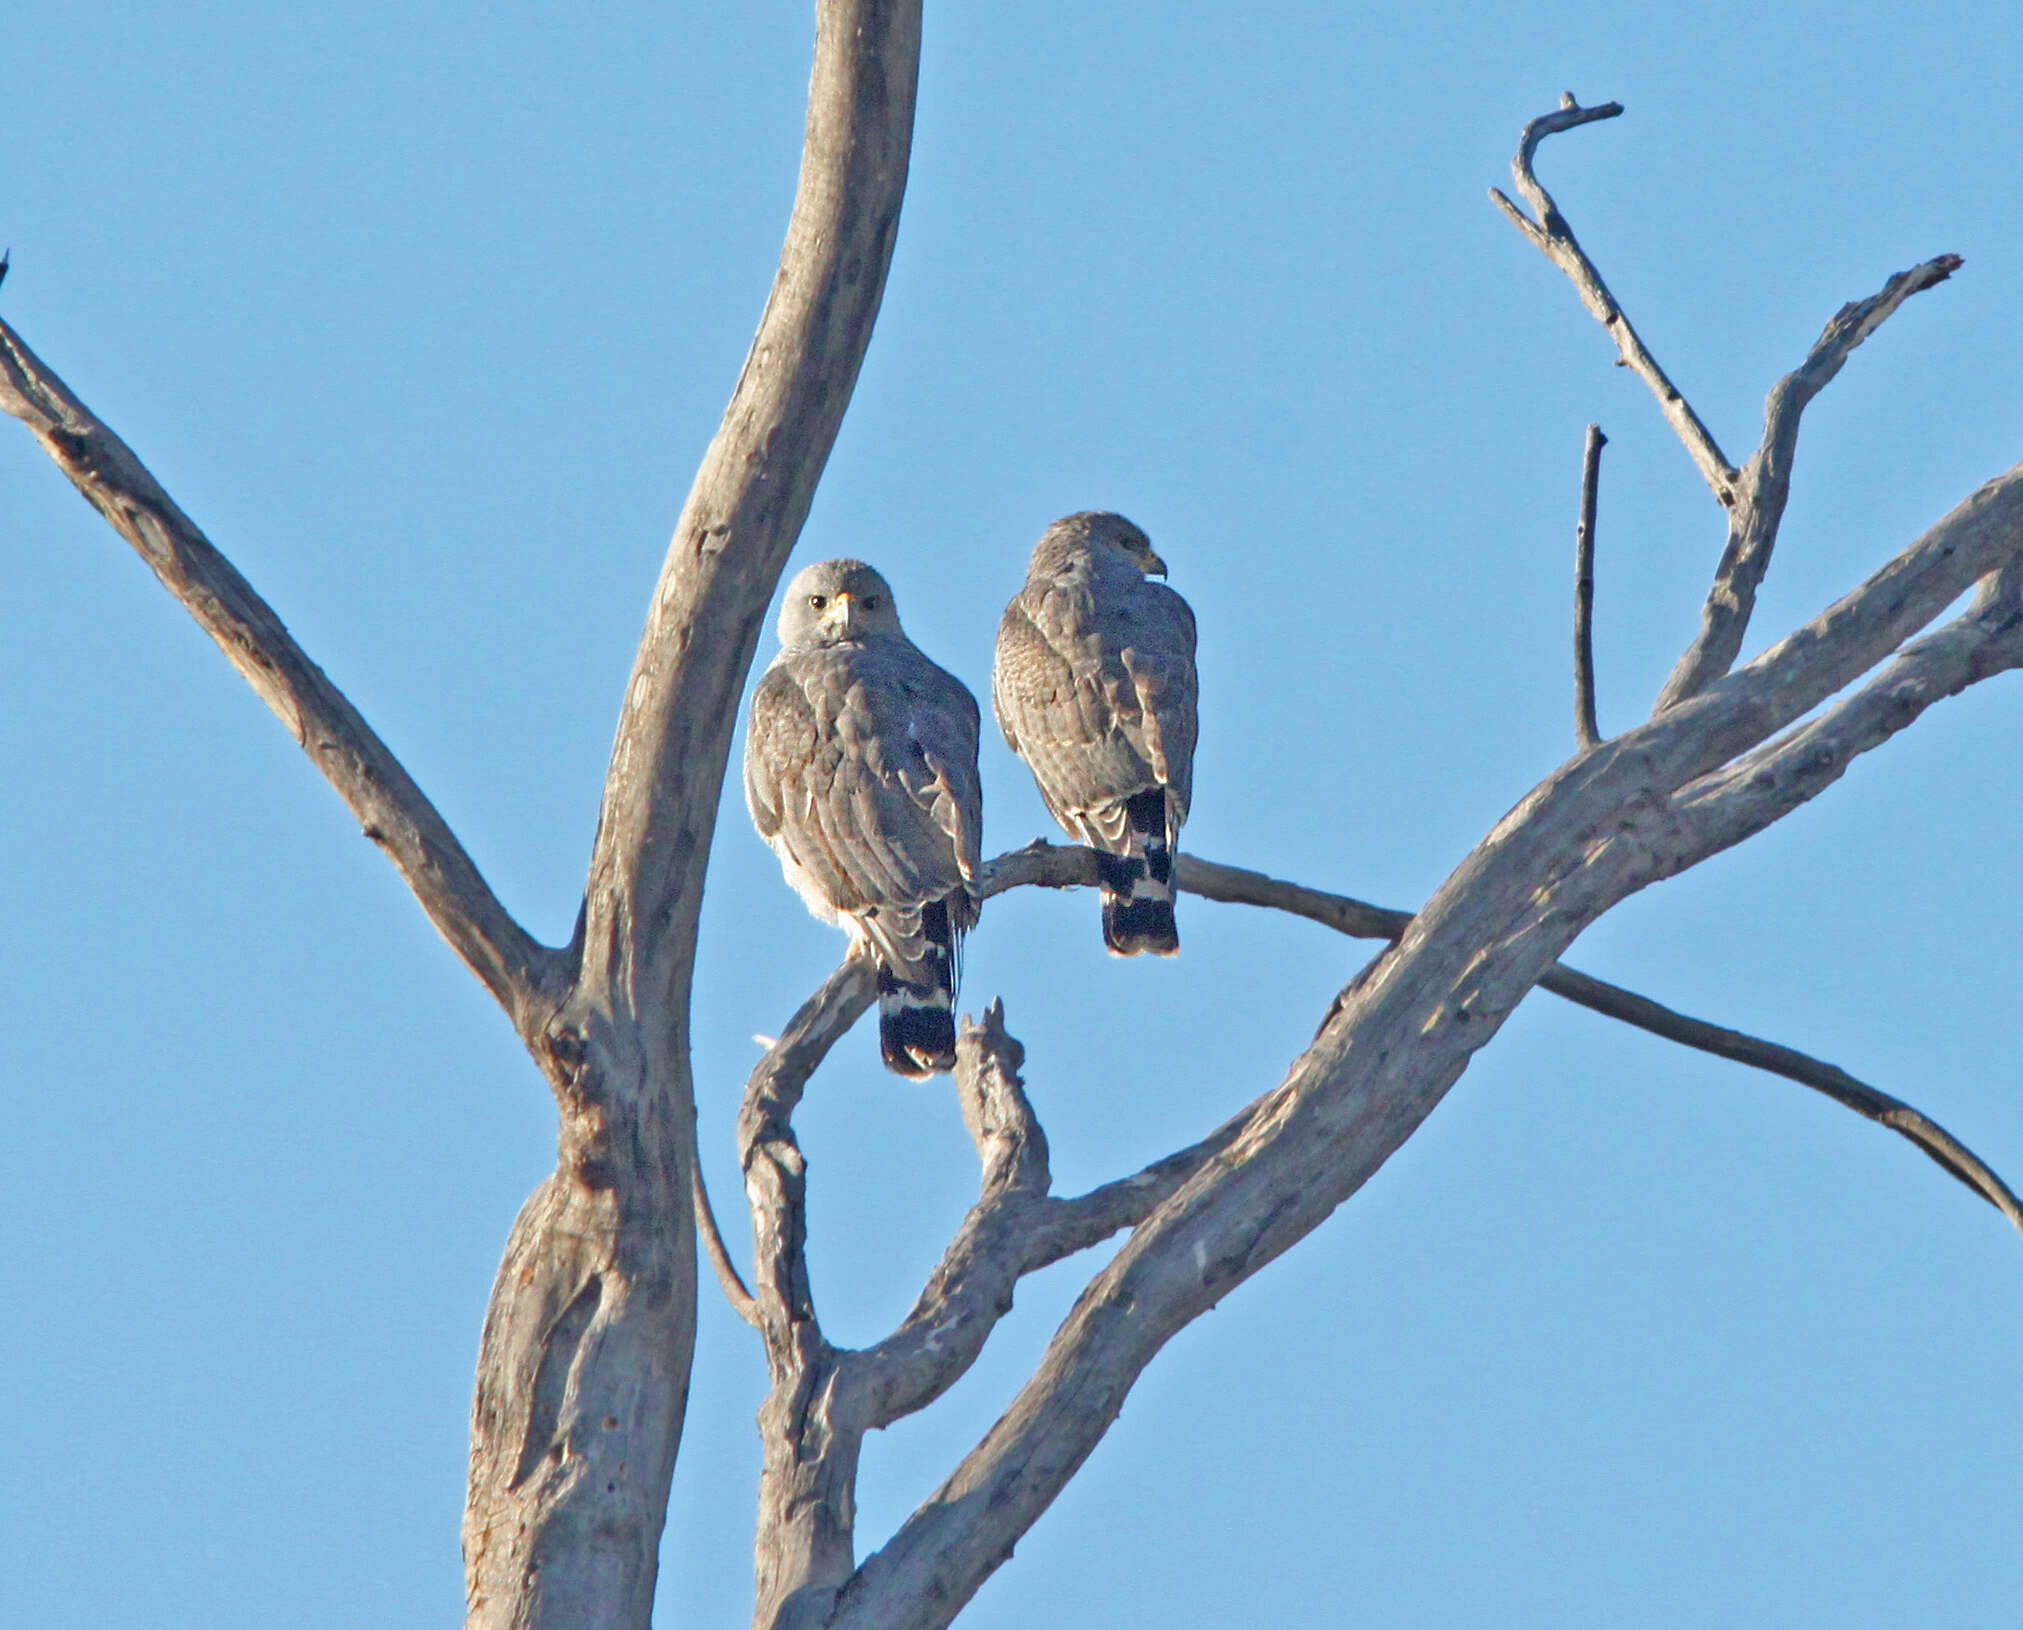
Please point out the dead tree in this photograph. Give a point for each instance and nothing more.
(583, 1372)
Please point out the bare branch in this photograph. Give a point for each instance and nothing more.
(1749, 794)
(807, 1425)
(749, 499)
(1585, 731)
(1554, 239)
(524, 976)
(1009, 1142)
(557, 1548)
(1765, 485)
(1793, 1065)
(742, 1302)
(1129, 1200)
(971, 1288)
(1066, 1226)
(1236, 886)
(775, 1172)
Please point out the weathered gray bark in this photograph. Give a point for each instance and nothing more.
(572, 1452)
(1722, 756)
(584, 1362)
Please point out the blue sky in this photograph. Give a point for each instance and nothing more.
(426, 314)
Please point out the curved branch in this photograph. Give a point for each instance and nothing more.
(524, 976)
(971, 1288)
(749, 499)
(1930, 1137)
(809, 1431)
(743, 1303)
(775, 1171)
(1554, 239)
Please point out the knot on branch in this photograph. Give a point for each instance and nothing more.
(995, 1109)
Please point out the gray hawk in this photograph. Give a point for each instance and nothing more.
(1095, 689)
(860, 771)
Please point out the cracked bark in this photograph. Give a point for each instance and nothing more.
(583, 1367)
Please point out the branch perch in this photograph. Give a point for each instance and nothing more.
(1063, 866)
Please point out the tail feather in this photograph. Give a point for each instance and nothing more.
(916, 1003)
(1138, 884)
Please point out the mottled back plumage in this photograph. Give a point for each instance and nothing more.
(860, 771)
(1095, 689)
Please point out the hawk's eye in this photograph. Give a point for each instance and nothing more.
(870, 602)
(818, 601)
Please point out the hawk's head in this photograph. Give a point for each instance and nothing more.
(836, 600)
(1101, 529)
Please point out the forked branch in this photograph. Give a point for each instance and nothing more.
(1755, 495)
(1056, 1227)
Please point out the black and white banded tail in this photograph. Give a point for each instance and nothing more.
(1138, 883)
(916, 1001)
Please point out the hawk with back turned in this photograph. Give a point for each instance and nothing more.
(1095, 689)
(860, 770)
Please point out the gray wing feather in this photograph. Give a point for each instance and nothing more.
(860, 769)
(1097, 693)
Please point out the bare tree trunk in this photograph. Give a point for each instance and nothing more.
(583, 1371)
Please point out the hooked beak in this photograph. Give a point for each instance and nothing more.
(1154, 566)
(847, 615)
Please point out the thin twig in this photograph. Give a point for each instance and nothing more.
(1764, 487)
(1932, 1138)
(1554, 239)
(1585, 730)
(523, 975)
(742, 1302)
(1361, 920)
